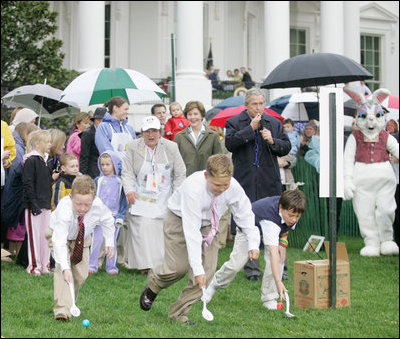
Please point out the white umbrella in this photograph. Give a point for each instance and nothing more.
(97, 86)
(41, 98)
(304, 97)
(295, 111)
(298, 106)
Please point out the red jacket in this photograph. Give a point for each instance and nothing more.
(175, 125)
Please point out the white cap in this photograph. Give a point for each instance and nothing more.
(24, 115)
(150, 122)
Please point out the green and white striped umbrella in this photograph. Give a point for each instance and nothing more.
(97, 86)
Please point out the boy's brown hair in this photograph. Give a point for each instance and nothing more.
(66, 158)
(219, 165)
(83, 184)
(293, 200)
(288, 121)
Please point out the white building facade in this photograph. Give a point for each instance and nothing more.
(255, 34)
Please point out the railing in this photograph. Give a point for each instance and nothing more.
(226, 90)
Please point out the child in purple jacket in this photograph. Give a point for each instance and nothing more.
(111, 193)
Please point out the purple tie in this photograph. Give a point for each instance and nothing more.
(214, 223)
(77, 253)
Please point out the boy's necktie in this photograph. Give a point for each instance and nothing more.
(214, 224)
(77, 253)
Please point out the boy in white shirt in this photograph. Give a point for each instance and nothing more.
(190, 225)
(276, 215)
(81, 206)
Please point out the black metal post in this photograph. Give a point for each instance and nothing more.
(332, 220)
(173, 66)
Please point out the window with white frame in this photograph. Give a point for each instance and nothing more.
(370, 49)
(297, 42)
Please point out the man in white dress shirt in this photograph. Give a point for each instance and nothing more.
(64, 228)
(188, 231)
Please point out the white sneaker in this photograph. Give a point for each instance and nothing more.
(209, 292)
(271, 304)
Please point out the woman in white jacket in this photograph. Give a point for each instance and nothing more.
(152, 170)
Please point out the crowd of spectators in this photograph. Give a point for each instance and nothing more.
(231, 80)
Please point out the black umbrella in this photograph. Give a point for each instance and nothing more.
(317, 70)
(350, 108)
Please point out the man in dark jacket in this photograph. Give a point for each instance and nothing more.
(256, 140)
(89, 152)
(246, 78)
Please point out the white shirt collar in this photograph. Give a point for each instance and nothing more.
(191, 133)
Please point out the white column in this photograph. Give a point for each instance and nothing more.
(332, 27)
(191, 83)
(277, 37)
(91, 34)
(120, 34)
(351, 15)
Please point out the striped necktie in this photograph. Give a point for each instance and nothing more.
(77, 253)
(214, 223)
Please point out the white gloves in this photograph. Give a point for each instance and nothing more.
(349, 189)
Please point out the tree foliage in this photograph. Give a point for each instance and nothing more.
(30, 53)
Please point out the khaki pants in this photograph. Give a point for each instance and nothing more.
(176, 265)
(224, 228)
(269, 290)
(62, 294)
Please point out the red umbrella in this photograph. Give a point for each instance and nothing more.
(392, 101)
(223, 115)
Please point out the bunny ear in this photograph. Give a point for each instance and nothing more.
(356, 96)
(380, 94)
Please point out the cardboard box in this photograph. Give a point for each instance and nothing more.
(311, 280)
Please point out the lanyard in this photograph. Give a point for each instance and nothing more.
(256, 162)
(153, 154)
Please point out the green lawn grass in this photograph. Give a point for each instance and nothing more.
(111, 303)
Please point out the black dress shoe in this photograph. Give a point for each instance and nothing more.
(147, 298)
(254, 278)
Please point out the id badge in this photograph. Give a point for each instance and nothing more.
(152, 183)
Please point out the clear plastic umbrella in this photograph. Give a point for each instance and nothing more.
(41, 98)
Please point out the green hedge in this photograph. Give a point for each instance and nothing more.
(315, 219)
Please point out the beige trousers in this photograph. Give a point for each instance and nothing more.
(224, 228)
(176, 265)
(62, 294)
